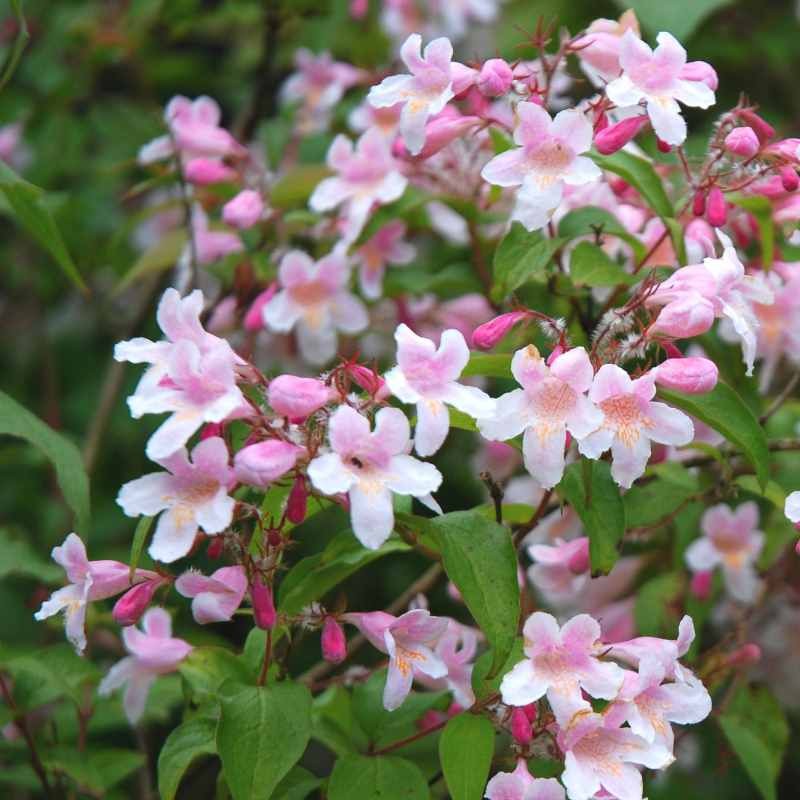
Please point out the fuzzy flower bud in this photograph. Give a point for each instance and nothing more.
(254, 318)
(486, 336)
(334, 645)
(367, 379)
(130, 607)
(700, 586)
(262, 463)
(762, 128)
(789, 178)
(744, 656)
(297, 503)
(205, 171)
(716, 208)
(244, 211)
(215, 547)
(742, 142)
(692, 375)
(615, 137)
(495, 78)
(264, 613)
(521, 728)
(297, 398)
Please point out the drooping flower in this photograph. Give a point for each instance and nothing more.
(456, 649)
(314, 300)
(193, 495)
(631, 420)
(214, 598)
(428, 377)
(408, 640)
(660, 79)
(521, 785)
(153, 652)
(547, 159)
(384, 248)
(88, 581)
(369, 466)
(551, 402)
(365, 176)
(561, 662)
(666, 651)
(730, 540)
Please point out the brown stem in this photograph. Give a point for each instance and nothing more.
(781, 398)
(496, 493)
(527, 527)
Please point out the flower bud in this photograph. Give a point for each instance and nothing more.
(367, 379)
(692, 375)
(762, 128)
(204, 171)
(211, 430)
(716, 208)
(684, 318)
(699, 203)
(297, 503)
(495, 78)
(747, 654)
(444, 129)
(262, 463)
(254, 318)
(264, 614)
(216, 545)
(789, 178)
(486, 336)
(359, 8)
(244, 211)
(531, 712)
(579, 561)
(334, 645)
(788, 149)
(521, 728)
(615, 137)
(297, 398)
(743, 142)
(663, 147)
(700, 586)
(700, 71)
(130, 607)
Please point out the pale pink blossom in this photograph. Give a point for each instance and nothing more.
(560, 571)
(428, 377)
(456, 649)
(209, 245)
(408, 640)
(731, 541)
(631, 421)
(88, 581)
(598, 50)
(561, 663)
(192, 374)
(153, 652)
(385, 121)
(369, 466)
(244, 210)
(547, 159)
(383, 248)
(430, 316)
(262, 463)
(214, 598)
(314, 300)
(659, 79)
(666, 651)
(551, 402)
(192, 495)
(521, 785)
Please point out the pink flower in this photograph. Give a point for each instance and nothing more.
(210, 245)
(192, 374)
(424, 92)
(428, 377)
(207, 171)
(370, 466)
(153, 652)
(264, 613)
(548, 158)
(315, 300)
(298, 398)
(263, 463)
(254, 318)
(88, 581)
(551, 402)
(561, 663)
(365, 176)
(598, 50)
(214, 598)
(631, 420)
(665, 651)
(385, 121)
(407, 640)
(600, 755)
(561, 570)
(521, 785)
(385, 247)
(456, 649)
(486, 336)
(730, 540)
(192, 495)
(244, 210)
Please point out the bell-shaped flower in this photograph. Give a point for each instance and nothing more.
(521, 785)
(560, 570)
(659, 79)
(551, 402)
(631, 420)
(730, 540)
(547, 159)
(153, 652)
(408, 640)
(456, 649)
(88, 581)
(428, 377)
(315, 301)
(601, 755)
(425, 92)
(192, 495)
(365, 176)
(666, 651)
(214, 598)
(384, 248)
(561, 662)
(369, 466)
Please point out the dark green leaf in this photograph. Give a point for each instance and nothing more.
(139, 540)
(17, 557)
(466, 748)
(590, 266)
(96, 770)
(489, 365)
(520, 257)
(483, 685)
(205, 669)
(761, 209)
(186, 743)
(18, 45)
(376, 778)
(650, 502)
(591, 219)
(297, 785)
(679, 17)
(654, 602)
(641, 175)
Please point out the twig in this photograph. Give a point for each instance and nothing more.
(496, 493)
(527, 527)
(781, 398)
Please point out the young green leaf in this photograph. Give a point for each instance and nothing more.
(679, 17)
(377, 778)
(641, 175)
(591, 221)
(466, 748)
(590, 266)
(189, 741)
(95, 771)
(520, 257)
(139, 540)
(489, 365)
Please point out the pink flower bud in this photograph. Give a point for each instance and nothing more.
(684, 318)
(747, 654)
(262, 463)
(297, 398)
(763, 129)
(215, 547)
(443, 130)
(789, 178)
(264, 614)
(486, 336)
(495, 78)
(297, 503)
(431, 720)
(700, 586)
(558, 350)
(615, 137)
(662, 146)
(254, 318)
(359, 8)
(579, 561)
(692, 375)
(700, 71)
(244, 211)
(130, 607)
(743, 142)
(788, 149)
(204, 171)
(210, 430)
(521, 727)
(716, 209)
(531, 712)
(334, 645)
(366, 378)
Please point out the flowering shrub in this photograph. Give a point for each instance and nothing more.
(513, 351)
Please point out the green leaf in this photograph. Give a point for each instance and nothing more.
(675, 229)
(727, 413)
(297, 785)
(263, 732)
(97, 770)
(20, 41)
(376, 778)
(27, 203)
(482, 684)
(520, 257)
(489, 365)
(679, 17)
(650, 502)
(333, 722)
(315, 575)
(654, 602)
(756, 729)
(185, 744)
(16, 420)
(205, 669)
(590, 266)
(466, 748)
(641, 175)
(772, 491)
(589, 488)
(296, 186)
(761, 209)
(479, 557)
(17, 557)
(139, 540)
(591, 219)
(159, 257)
